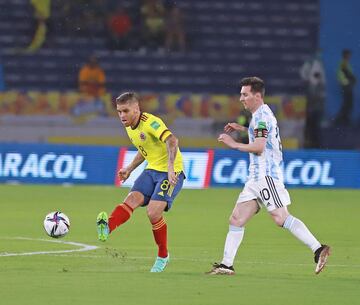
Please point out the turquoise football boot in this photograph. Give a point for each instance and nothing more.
(160, 264)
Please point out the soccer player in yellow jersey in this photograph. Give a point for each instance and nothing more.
(159, 183)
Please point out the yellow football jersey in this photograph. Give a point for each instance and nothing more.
(148, 137)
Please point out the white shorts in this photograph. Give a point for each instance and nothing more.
(269, 192)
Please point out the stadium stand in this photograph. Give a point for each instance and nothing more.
(227, 39)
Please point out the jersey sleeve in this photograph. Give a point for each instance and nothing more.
(158, 128)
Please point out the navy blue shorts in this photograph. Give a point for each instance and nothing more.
(155, 185)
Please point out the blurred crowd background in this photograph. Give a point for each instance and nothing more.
(62, 64)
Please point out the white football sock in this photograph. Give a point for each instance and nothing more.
(232, 243)
(298, 229)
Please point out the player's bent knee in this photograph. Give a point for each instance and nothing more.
(134, 199)
(155, 210)
(153, 215)
(279, 220)
(236, 220)
(279, 216)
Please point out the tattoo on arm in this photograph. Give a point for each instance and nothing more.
(172, 147)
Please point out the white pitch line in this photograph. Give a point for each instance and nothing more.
(84, 247)
(89, 248)
(208, 260)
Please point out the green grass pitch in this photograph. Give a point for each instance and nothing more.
(272, 266)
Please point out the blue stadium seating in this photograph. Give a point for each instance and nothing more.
(229, 39)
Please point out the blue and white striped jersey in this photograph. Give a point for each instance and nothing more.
(270, 162)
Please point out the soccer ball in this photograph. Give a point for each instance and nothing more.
(56, 224)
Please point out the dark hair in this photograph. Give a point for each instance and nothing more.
(256, 83)
(127, 97)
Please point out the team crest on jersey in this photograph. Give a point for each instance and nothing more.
(142, 136)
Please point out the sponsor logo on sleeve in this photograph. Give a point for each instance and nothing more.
(155, 125)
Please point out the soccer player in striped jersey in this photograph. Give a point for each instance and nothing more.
(264, 186)
(159, 183)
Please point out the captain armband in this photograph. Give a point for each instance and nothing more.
(261, 131)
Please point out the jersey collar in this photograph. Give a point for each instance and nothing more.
(258, 109)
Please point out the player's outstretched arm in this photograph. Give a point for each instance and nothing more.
(125, 172)
(172, 148)
(256, 147)
(230, 127)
